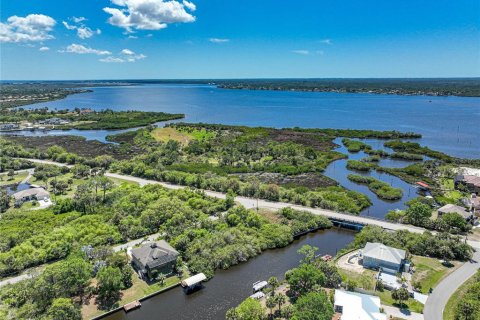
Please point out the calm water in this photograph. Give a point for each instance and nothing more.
(230, 287)
(338, 171)
(448, 124)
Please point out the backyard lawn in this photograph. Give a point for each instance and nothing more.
(17, 178)
(138, 290)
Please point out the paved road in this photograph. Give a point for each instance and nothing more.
(253, 203)
(437, 301)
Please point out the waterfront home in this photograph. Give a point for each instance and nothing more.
(357, 306)
(154, 258)
(30, 194)
(470, 182)
(452, 208)
(381, 257)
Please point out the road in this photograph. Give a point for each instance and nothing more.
(251, 203)
(437, 301)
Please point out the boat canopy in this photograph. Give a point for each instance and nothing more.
(258, 295)
(257, 286)
(194, 280)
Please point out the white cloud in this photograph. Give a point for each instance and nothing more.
(44, 49)
(83, 32)
(326, 41)
(34, 27)
(149, 14)
(190, 5)
(302, 52)
(112, 60)
(126, 55)
(128, 52)
(218, 40)
(78, 19)
(132, 37)
(81, 49)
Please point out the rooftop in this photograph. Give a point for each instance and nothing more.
(455, 209)
(155, 254)
(38, 192)
(382, 252)
(358, 306)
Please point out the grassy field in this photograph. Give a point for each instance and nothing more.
(182, 136)
(429, 272)
(165, 134)
(138, 290)
(17, 178)
(449, 312)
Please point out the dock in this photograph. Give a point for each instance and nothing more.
(132, 305)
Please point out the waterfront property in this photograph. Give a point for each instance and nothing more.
(381, 257)
(470, 182)
(153, 259)
(452, 208)
(357, 306)
(30, 194)
(193, 282)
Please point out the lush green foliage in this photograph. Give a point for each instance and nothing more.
(106, 119)
(359, 165)
(355, 145)
(380, 188)
(443, 245)
(468, 307)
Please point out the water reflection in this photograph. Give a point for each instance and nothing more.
(338, 171)
(230, 287)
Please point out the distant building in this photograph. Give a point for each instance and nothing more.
(9, 126)
(30, 194)
(473, 203)
(357, 306)
(470, 182)
(54, 121)
(452, 208)
(154, 258)
(379, 256)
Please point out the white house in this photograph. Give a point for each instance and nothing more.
(357, 306)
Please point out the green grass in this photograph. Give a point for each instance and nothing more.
(365, 280)
(17, 178)
(410, 304)
(455, 298)
(138, 290)
(429, 272)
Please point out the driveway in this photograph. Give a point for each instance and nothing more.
(437, 301)
(402, 313)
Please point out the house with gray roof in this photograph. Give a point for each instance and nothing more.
(452, 208)
(381, 257)
(154, 258)
(30, 194)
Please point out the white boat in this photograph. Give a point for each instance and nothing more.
(259, 285)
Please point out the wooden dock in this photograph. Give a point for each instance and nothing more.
(132, 305)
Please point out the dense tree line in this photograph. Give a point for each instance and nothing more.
(442, 246)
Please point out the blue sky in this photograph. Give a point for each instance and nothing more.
(159, 39)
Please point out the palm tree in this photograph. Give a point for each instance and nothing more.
(281, 299)
(273, 282)
(271, 303)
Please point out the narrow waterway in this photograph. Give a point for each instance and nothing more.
(338, 171)
(230, 287)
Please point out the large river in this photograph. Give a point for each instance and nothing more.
(448, 124)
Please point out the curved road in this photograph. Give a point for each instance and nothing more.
(437, 301)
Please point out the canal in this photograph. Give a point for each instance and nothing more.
(228, 288)
(338, 171)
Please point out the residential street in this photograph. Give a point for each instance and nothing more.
(437, 301)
